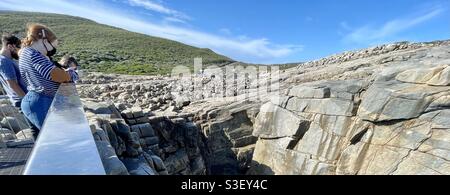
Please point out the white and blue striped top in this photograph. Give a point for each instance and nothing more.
(35, 70)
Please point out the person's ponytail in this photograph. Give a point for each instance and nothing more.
(27, 41)
(34, 33)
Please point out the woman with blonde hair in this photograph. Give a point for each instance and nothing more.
(41, 74)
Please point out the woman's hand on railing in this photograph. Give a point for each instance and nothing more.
(73, 74)
(61, 76)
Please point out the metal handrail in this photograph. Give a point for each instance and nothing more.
(65, 145)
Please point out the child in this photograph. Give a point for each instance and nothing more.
(68, 62)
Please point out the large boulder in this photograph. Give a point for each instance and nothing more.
(111, 163)
(101, 109)
(25, 134)
(337, 107)
(435, 76)
(310, 92)
(177, 163)
(275, 122)
(418, 163)
(387, 101)
(15, 124)
(7, 135)
(269, 158)
(138, 166)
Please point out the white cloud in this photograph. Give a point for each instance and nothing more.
(250, 50)
(369, 34)
(157, 7)
(174, 20)
(225, 31)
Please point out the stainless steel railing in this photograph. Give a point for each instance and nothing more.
(65, 145)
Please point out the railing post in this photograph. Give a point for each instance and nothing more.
(65, 145)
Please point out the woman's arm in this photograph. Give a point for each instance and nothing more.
(50, 71)
(59, 75)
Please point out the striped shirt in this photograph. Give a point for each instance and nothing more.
(35, 70)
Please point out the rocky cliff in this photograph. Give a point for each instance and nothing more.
(381, 110)
(382, 114)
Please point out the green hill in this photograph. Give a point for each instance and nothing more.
(108, 49)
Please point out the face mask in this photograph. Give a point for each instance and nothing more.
(51, 52)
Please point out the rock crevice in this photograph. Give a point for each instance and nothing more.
(384, 124)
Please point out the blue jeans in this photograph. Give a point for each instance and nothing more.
(35, 107)
(34, 129)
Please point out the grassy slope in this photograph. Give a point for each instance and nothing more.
(107, 49)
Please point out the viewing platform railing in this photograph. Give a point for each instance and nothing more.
(65, 145)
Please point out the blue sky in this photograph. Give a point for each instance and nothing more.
(265, 31)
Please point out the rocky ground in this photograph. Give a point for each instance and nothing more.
(381, 114)
(202, 137)
(14, 129)
(381, 110)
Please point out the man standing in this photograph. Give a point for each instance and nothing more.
(10, 77)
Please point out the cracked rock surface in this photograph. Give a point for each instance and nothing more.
(370, 115)
(383, 110)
